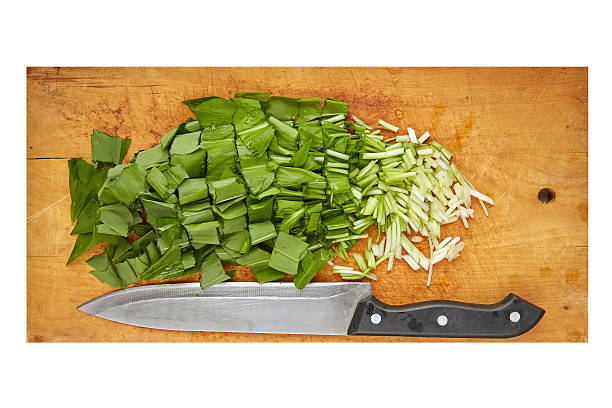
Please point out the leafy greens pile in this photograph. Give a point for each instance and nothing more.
(282, 185)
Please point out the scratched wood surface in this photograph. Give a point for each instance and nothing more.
(513, 132)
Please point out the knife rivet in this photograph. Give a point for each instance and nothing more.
(515, 317)
(375, 318)
(442, 320)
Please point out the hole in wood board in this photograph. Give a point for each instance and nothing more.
(546, 195)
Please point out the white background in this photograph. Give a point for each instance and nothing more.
(321, 33)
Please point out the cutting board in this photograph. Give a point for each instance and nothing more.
(513, 132)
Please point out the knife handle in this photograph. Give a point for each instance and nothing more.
(511, 317)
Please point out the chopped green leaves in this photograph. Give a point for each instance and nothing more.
(274, 183)
(286, 135)
(107, 150)
(214, 112)
(310, 266)
(287, 253)
(290, 176)
(85, 181)
(309, 109)
(186, 143)
(193, 189)
(203, 233)
(127, 186)
(226, 189)
(258, 138)
(261, 231)
(213, 272)
(248, 114)
(154, 156)
(282, 108)
(117, 217)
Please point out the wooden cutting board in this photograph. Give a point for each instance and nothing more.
(513, 131)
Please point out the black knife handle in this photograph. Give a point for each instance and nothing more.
(445, 318)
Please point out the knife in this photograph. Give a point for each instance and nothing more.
(320, 308)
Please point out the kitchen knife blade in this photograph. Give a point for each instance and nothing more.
(320, 308)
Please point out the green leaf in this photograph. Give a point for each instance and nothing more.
(193, 162)
(165, 182)
(123, 250)
(309, 109)
(181, 241)
(169, 228)
(188, 260)
(215, 112)
(272, 191)
(312, 222)
(84, 242)
(277, 150)
(118, 218)
(283, 108)
(224, 255)
(175, 174)
(158, 209)
(239, 241)
(232, 225)
(259, 210)
(185, 143)
(107, 149)
(191, 126)
(213, 272)
(258, 177)
(202, 253)
(336, 222)
(126, 273)
(285, 208)
(257, 139)
(248, 113)
(226, 189)
(197, 212)
(299, 158)
(225, 132)
(103, 268)
(311, 131)
(168, 265)
(203, 233)
(193, 103)
(257, 259)
(286, 135)
(159, 182)
(87, 219)
(188, 126)
(167, 139)
(222, 207)
(85, 181)
(130, 183)
(261, 231)
(153, 252)
(333, 107)
(152, 157)
(293, 176)
(234, 211)
(287, 253)
(138, 265)
(192, 189)
(290, 221)
(259, 96)
(267, 274)
(310, 266)
(339, 184)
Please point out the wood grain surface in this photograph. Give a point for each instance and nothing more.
(513, 132)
